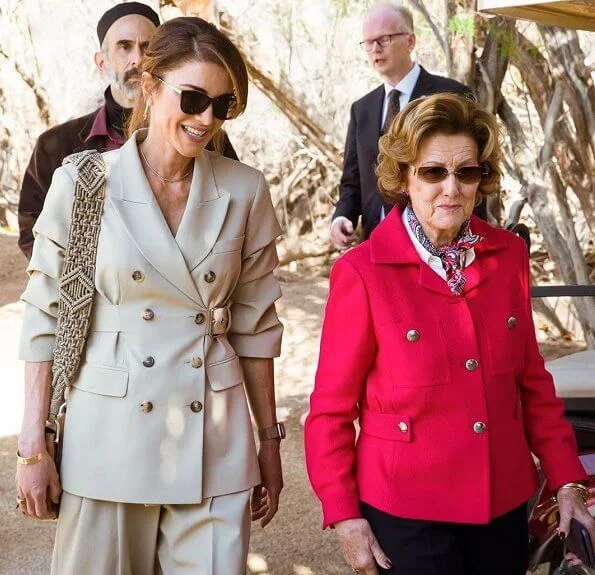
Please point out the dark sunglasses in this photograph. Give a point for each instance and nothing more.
(436, 174)
(194, 102)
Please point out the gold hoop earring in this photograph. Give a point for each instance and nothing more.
(146, 114)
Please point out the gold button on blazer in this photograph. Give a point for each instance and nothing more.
(113, 448)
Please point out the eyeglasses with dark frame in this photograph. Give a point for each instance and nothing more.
(437, 174)
(194, 102)
(382, 41)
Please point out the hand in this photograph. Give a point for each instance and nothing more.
(342, 233)
(571, 506)
(36, 483)
(360, 547)
(265, 497)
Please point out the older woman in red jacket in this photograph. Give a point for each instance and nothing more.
(429, 341)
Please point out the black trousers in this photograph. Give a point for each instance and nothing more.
(417, 547)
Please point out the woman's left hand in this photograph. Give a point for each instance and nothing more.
(571, 506)
(265, 497)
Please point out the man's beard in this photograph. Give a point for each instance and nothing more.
(128, 87)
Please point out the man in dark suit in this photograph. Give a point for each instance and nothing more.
(124, 32)
(388, 40)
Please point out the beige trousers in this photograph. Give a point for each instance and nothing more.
(105, 538)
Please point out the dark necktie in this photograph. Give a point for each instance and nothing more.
(392, 109)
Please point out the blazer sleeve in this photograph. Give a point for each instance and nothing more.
(350, 193)
(47, 260)
(347, 350)
(255, 327)
(549, 434)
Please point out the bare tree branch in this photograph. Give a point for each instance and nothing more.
(574, 161)
(35, 86)
(284, 97)
(566, 57)
(421, 8)
(565, 249)
(490, 100)
(288, 105)
(553, 114)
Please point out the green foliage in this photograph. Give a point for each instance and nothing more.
(506, 40)
(462, 25)
(534, 51)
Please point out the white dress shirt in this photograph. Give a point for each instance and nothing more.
(433, 261)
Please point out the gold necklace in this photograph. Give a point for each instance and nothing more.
(171, 181)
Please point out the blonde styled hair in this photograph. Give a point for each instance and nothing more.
(189, 39)
(446, 114)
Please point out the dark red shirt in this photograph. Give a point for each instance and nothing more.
(113, 139)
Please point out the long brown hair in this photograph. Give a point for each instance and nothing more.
(189, 39)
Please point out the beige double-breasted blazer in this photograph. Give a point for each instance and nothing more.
(158, 412)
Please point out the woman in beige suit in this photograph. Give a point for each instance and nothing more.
(159, 456)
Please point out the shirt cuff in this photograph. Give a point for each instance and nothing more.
(338, 219)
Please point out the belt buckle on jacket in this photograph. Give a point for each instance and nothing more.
(219, 320)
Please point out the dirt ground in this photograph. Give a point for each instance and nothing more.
(294, 543)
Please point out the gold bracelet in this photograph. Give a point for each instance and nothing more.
(579, 487)
(29, 460)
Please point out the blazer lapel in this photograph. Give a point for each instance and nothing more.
(477, 273)
(141, 216)
(485, 266)
(371, 118)
(390, 244)
(204, 216)
(423, 86)
(86, 129)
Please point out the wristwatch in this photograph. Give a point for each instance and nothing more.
(276, 431)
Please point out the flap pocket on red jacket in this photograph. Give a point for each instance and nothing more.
(225, 374)
(416, 353)
(385, 425)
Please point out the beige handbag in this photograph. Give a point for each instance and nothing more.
(77, 288)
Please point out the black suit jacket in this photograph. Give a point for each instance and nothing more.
(51, 148)
(359, 193)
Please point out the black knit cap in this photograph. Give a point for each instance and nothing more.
(121, 10)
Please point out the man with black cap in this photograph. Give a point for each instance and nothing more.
(124, 32)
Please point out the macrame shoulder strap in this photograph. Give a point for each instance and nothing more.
(77, 282)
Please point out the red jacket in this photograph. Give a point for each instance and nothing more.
(442, 438)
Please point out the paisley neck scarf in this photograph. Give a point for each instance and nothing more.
(450, 256)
